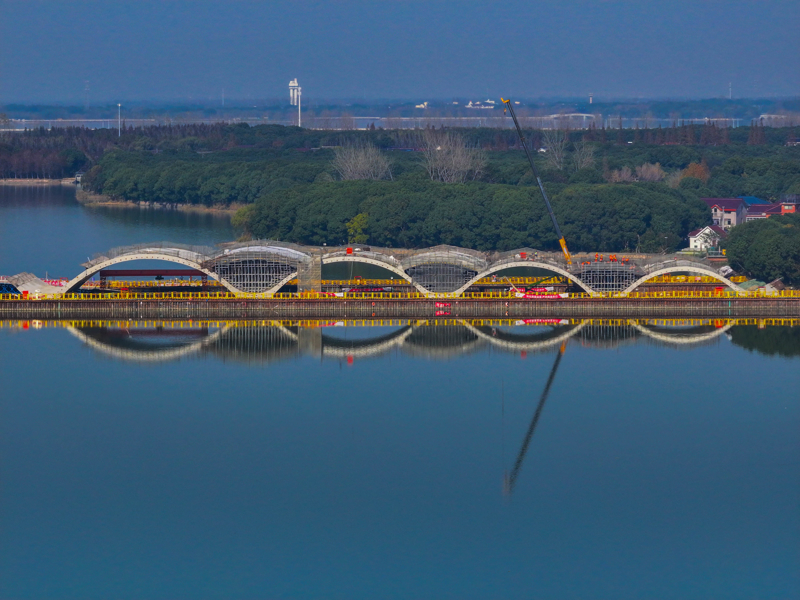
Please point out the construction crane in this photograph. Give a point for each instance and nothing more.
(511, 478)
(508, 107)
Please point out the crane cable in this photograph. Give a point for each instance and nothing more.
(562, 242)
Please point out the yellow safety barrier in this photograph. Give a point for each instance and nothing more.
(693, 279)
(489, 295)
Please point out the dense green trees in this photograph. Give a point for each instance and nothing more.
(767, 249)
(419, 213)
(241, 175)
(287, 177)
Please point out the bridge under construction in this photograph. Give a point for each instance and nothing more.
(265, 268)
(265, 277)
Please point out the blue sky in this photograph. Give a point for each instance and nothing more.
(409, 49)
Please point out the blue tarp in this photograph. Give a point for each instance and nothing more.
(7, 288)
(750, 200)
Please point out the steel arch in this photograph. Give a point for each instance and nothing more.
(683, 269)
(77, 281)
(524, 263)
(326, 260)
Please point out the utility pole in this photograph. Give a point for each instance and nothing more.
(730, 90)
(119, 120)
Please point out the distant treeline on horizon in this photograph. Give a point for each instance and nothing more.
(61, 152)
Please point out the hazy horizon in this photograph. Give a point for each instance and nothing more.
(406, 50)
(307, 103)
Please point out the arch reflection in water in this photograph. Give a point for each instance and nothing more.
(268, 341)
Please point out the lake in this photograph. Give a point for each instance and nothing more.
(396, 460)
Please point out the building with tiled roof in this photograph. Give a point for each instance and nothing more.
(764, 211)
(727, 212)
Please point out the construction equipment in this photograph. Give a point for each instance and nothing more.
(507, 106)
(511, 479)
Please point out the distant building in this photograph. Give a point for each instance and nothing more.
(480, 104)
(764, 211)
(706, 237)
(727, 212)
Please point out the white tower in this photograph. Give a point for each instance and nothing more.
(295, 92)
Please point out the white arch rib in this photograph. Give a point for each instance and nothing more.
(528, 264)
(77, 281)
(155, 355)
(522, 345)
(692, 338)
(371, 261)
(367, 350)
(162, 354)
(683, 269)
(274, 289)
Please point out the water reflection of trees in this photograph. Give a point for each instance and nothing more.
(772, 341)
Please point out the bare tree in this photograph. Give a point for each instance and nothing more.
(347, 121)
(650, 172)
(361, 160)
(583, 157)
(555, 141)
(449, 159)
(624, 175)
(673, 180)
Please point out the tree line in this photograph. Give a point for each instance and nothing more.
(767, 249)
(240, 175)
(59, 152)
(420, 213)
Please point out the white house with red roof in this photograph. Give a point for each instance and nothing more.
(706, 237)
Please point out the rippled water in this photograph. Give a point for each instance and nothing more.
(394, 460)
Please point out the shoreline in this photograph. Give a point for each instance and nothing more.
(37, 182)
(90, 199)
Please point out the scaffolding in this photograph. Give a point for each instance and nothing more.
(256, 267)
(444, 269)
(608, 276)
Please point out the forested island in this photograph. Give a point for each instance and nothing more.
(614, 190)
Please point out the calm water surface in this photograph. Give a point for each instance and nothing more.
(233, 461)
(45, 231)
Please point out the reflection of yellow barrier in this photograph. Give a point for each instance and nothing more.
(485, 322)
